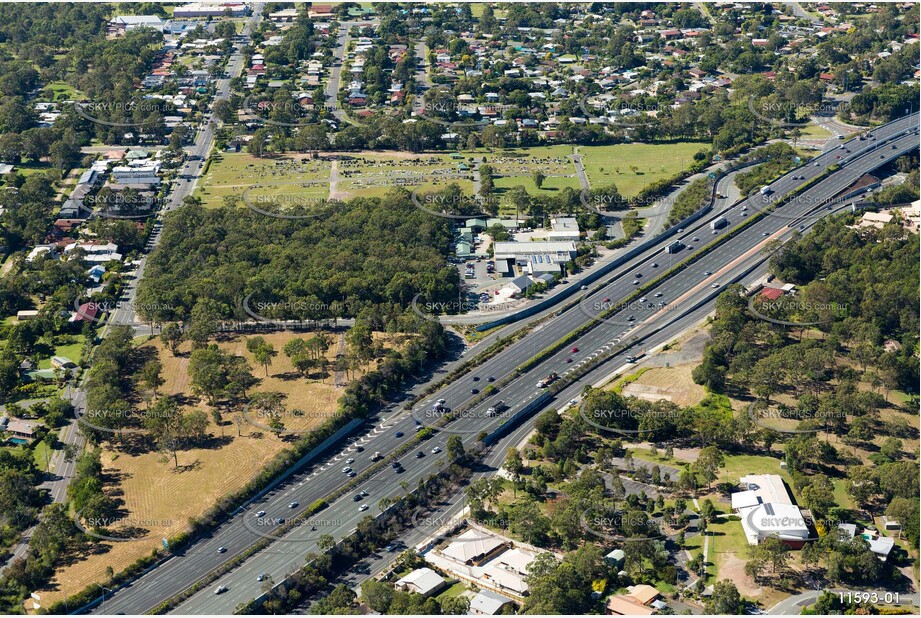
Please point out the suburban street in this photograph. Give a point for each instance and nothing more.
(186, 180)
(61, 470)
(689, 293)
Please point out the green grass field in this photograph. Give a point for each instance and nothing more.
(738, 466)
(234, 173)
(551, 185)
(727, 539)
(62, 91)
(814, 131)
(41, 454)
(515, 167)
(373, 175)
(606, 165)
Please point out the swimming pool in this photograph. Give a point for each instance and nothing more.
(20, 441)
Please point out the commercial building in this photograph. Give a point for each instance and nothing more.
(557, 252)
(767, 510)
(486, 560)
(473, 548)
(124, 23)
(95, 253)
(564, 228)
(137, 175)
(211, 9)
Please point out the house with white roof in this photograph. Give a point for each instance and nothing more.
(422, 581)
(487, 603)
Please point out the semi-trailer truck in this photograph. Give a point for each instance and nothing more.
(548, 380)
(718, 223)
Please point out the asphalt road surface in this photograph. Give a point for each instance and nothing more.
(687, 293)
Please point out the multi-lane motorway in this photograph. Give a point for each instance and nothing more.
(686, 294)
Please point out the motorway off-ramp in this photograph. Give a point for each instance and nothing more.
(686, 289)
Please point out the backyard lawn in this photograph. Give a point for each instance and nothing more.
(73, 351)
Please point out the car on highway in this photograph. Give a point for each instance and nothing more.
(658, 294)
(293, 505)
(221, 549)
(346, 470)
(260, 513)
(220, 589)
(655, 265)
(364, 492)
(436, 450)
(715, 285)
(637, 275)
(350, 460)
(765, 234)
(262, 577)
(363, 507)
(357, 498)
(707, 273)
(474, 391)
(643, 299)
(605, 300)
(476, 378)
(631, 318)
(398, 434)
(441, 401)
(395, 465)
(680, 229)
(636, 282)
(695, 239)
(490, 379)
(569, 360)
(352, 474)
(584, 287)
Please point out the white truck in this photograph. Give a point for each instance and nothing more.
(718, 223)
(765, 190)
